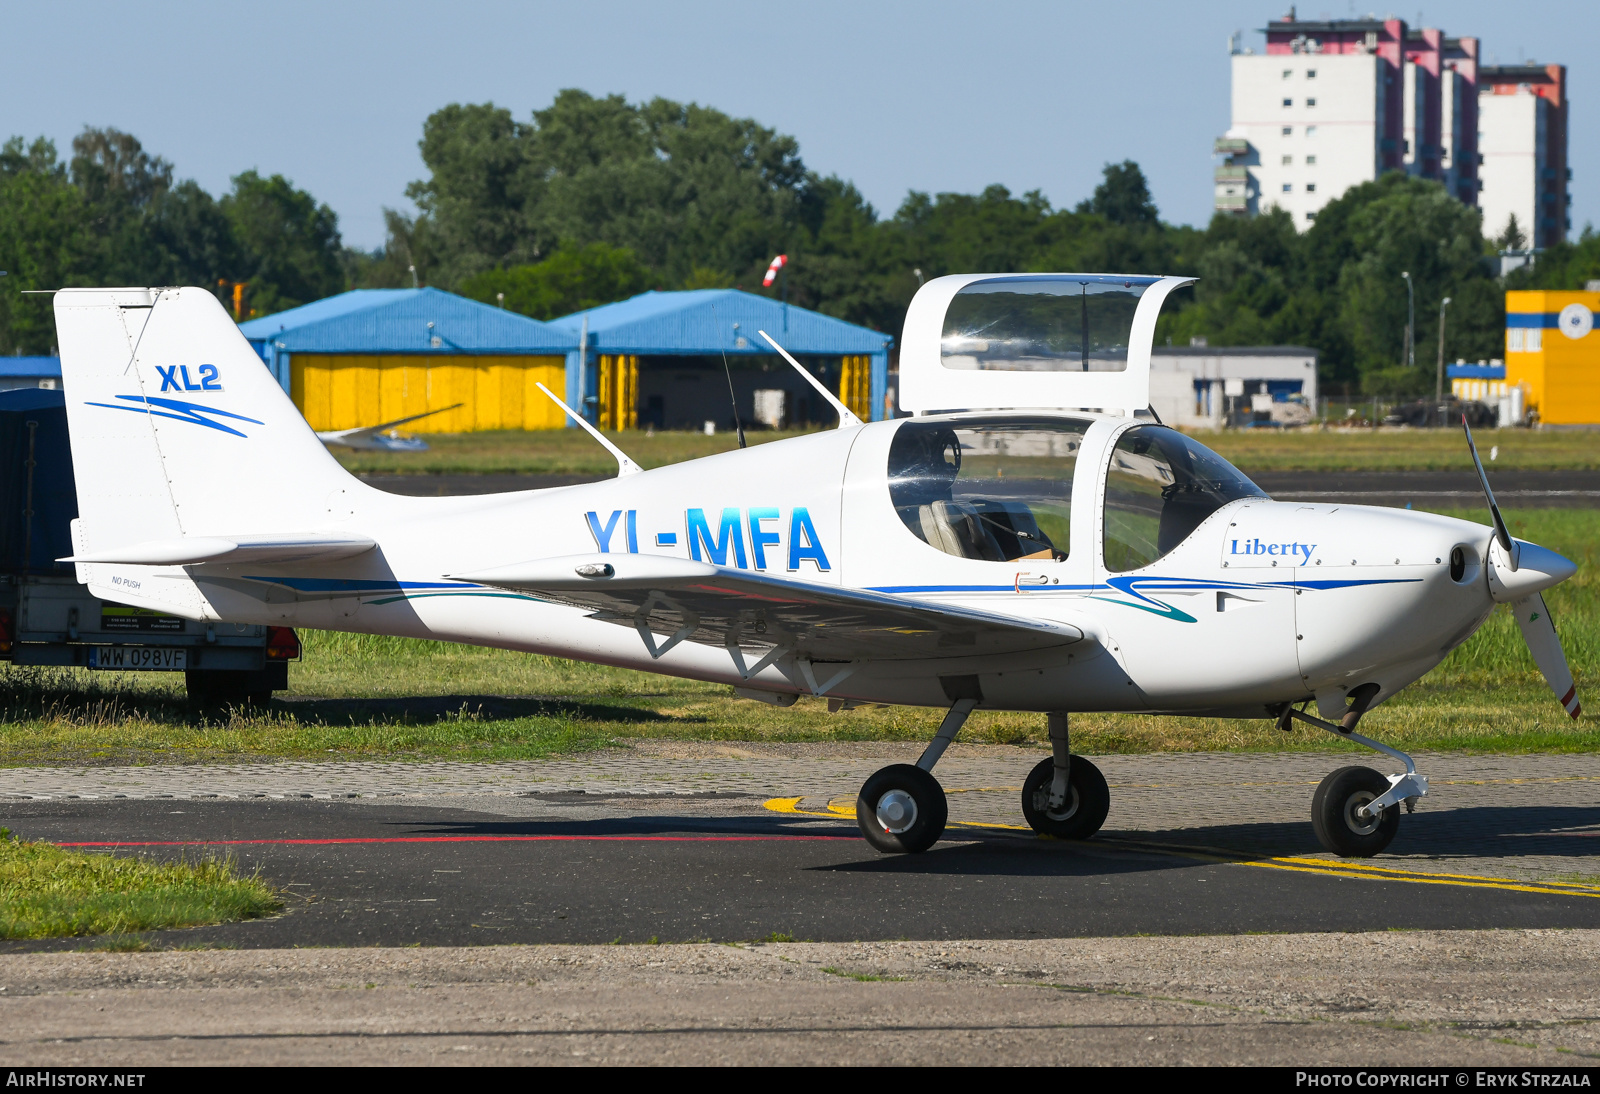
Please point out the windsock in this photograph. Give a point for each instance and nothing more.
(772, 271)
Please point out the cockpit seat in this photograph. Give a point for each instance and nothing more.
(957, 529)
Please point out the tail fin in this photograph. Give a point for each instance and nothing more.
(179, 430)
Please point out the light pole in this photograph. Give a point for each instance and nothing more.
(1411, 321)
(1438, 388)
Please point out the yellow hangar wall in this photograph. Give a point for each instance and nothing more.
(1553, 350)
(350, 390)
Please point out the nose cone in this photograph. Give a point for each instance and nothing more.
(1538, 568)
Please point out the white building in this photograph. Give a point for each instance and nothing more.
(1311, 125)
(1190, 385)
(1522, 122)
(1332, 104)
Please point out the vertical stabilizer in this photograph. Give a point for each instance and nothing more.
(178, 429)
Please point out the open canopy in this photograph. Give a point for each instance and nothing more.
(1004, 341)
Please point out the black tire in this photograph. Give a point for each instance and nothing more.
(920, 791)
(1334, 819)
(1088, 800)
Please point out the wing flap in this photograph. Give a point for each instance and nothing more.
(695, 601)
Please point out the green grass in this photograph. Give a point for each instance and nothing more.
(571, 451)
(1405, 449)
(360, 696)
(50, 892)
(863, 977)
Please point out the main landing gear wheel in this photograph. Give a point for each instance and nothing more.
(1339, 827)
(902, 809)
(1084, 811)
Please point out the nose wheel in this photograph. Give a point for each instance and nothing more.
(902, 809)
(1342, 816)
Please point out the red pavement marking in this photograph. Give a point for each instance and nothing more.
(444, 839)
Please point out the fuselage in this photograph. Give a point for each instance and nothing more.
(1226, 602)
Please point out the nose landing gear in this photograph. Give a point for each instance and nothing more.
(1356, 810)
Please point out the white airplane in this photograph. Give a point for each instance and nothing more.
(380, 438)
(1030, 539)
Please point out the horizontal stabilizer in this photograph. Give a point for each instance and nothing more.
(195, 550)
(726, 607)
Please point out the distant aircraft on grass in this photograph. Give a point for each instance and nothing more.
(380, 438)
(1031, 539)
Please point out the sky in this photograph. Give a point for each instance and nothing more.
(936, 95)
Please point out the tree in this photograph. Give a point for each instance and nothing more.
(47, 240)
(572, 279)
(1568, 266)
(1123, 197)
(1511, 238)
(115, 215)
(289, 250)
(473, 202)
(684, 187)
(1399, 223)
(186, 239)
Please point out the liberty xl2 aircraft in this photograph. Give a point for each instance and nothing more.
(1029, 539)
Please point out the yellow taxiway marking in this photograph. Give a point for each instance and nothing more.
(837, 809)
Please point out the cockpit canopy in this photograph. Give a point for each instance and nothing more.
(1013, 341)
(1079, 323)
(994, 490)
(999, 489)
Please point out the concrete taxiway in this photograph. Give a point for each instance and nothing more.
(1456, 999)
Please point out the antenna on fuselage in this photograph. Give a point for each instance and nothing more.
(846, 415)
(625, 466)
(732, 398)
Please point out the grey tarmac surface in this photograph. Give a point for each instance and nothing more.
(1452, 999)
(389, 874)
(684, 842)
(1430, 489)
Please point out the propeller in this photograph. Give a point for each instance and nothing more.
(1527, 571)
(1540, 634)
(1502, 535)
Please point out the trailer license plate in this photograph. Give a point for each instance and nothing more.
(141, 658)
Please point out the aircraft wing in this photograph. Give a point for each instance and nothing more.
(726, 607)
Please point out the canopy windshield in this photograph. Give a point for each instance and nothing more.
(1074, 323)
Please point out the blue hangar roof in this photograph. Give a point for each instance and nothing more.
(713, 321)
(30, 367)
(404, 321)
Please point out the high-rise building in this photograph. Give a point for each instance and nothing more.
(1522, 113)
(1331, 104)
